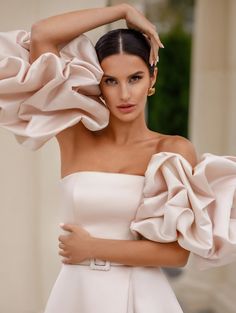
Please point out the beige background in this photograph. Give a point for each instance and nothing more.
(29, 209)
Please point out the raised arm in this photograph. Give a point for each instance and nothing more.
(48, 33)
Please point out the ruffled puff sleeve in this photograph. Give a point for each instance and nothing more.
(194, 206)
(39, 100)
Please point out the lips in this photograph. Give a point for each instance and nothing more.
(126, 105)
(126, 108)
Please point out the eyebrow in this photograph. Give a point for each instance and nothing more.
(139, 72)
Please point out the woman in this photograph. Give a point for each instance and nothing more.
(126, 190)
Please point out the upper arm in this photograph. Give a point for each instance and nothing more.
(66, 139)
(40, 44)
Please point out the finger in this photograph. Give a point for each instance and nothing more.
(151, 61)
(155, 48)
(62, 246)
(68, 227)
(151, 58)
(155, 51)
(154, 34)
(64, 253)
(66, 261)
(160, 44)
(157, 39)
(61, 238)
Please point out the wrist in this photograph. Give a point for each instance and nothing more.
(93, 247)
(124, 9)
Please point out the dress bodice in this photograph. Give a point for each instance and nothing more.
(104, 203)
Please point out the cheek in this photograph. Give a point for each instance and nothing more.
(140, 92)
(107, 92)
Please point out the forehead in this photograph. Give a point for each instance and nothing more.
(123, 64)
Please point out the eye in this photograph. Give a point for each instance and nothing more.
(109, 81)
(112, 81)
(136, 78)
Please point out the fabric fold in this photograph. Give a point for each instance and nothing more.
(194, 206)
(39, 100)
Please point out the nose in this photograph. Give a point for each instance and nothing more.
(124, 92)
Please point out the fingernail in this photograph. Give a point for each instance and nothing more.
(162, 46)
(152, 63)
(61, 224)
(157, 60)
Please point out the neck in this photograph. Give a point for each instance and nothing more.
(126, 133)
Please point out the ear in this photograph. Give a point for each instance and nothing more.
(154, 77)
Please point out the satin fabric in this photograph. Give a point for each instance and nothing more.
(194, 206)
(39, 100)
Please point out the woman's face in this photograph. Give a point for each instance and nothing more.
(126, 80)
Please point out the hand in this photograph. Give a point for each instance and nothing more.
(76, 246)
(136, 20)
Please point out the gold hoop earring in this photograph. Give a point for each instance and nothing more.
(151, 91)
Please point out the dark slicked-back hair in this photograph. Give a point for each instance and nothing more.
(127, 41)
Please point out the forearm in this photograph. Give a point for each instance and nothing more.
(62, 28)
(139, 252)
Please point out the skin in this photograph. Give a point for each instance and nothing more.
(48, 33)
(126, 145)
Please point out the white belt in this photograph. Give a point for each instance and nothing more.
(97, 264)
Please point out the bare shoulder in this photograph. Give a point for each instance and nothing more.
(68, 137)
(180, 145)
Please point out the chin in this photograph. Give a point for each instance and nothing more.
(128, 117)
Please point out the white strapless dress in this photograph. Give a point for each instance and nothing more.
(105, 204)
(171, 202)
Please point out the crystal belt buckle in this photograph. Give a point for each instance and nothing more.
(105, 266)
